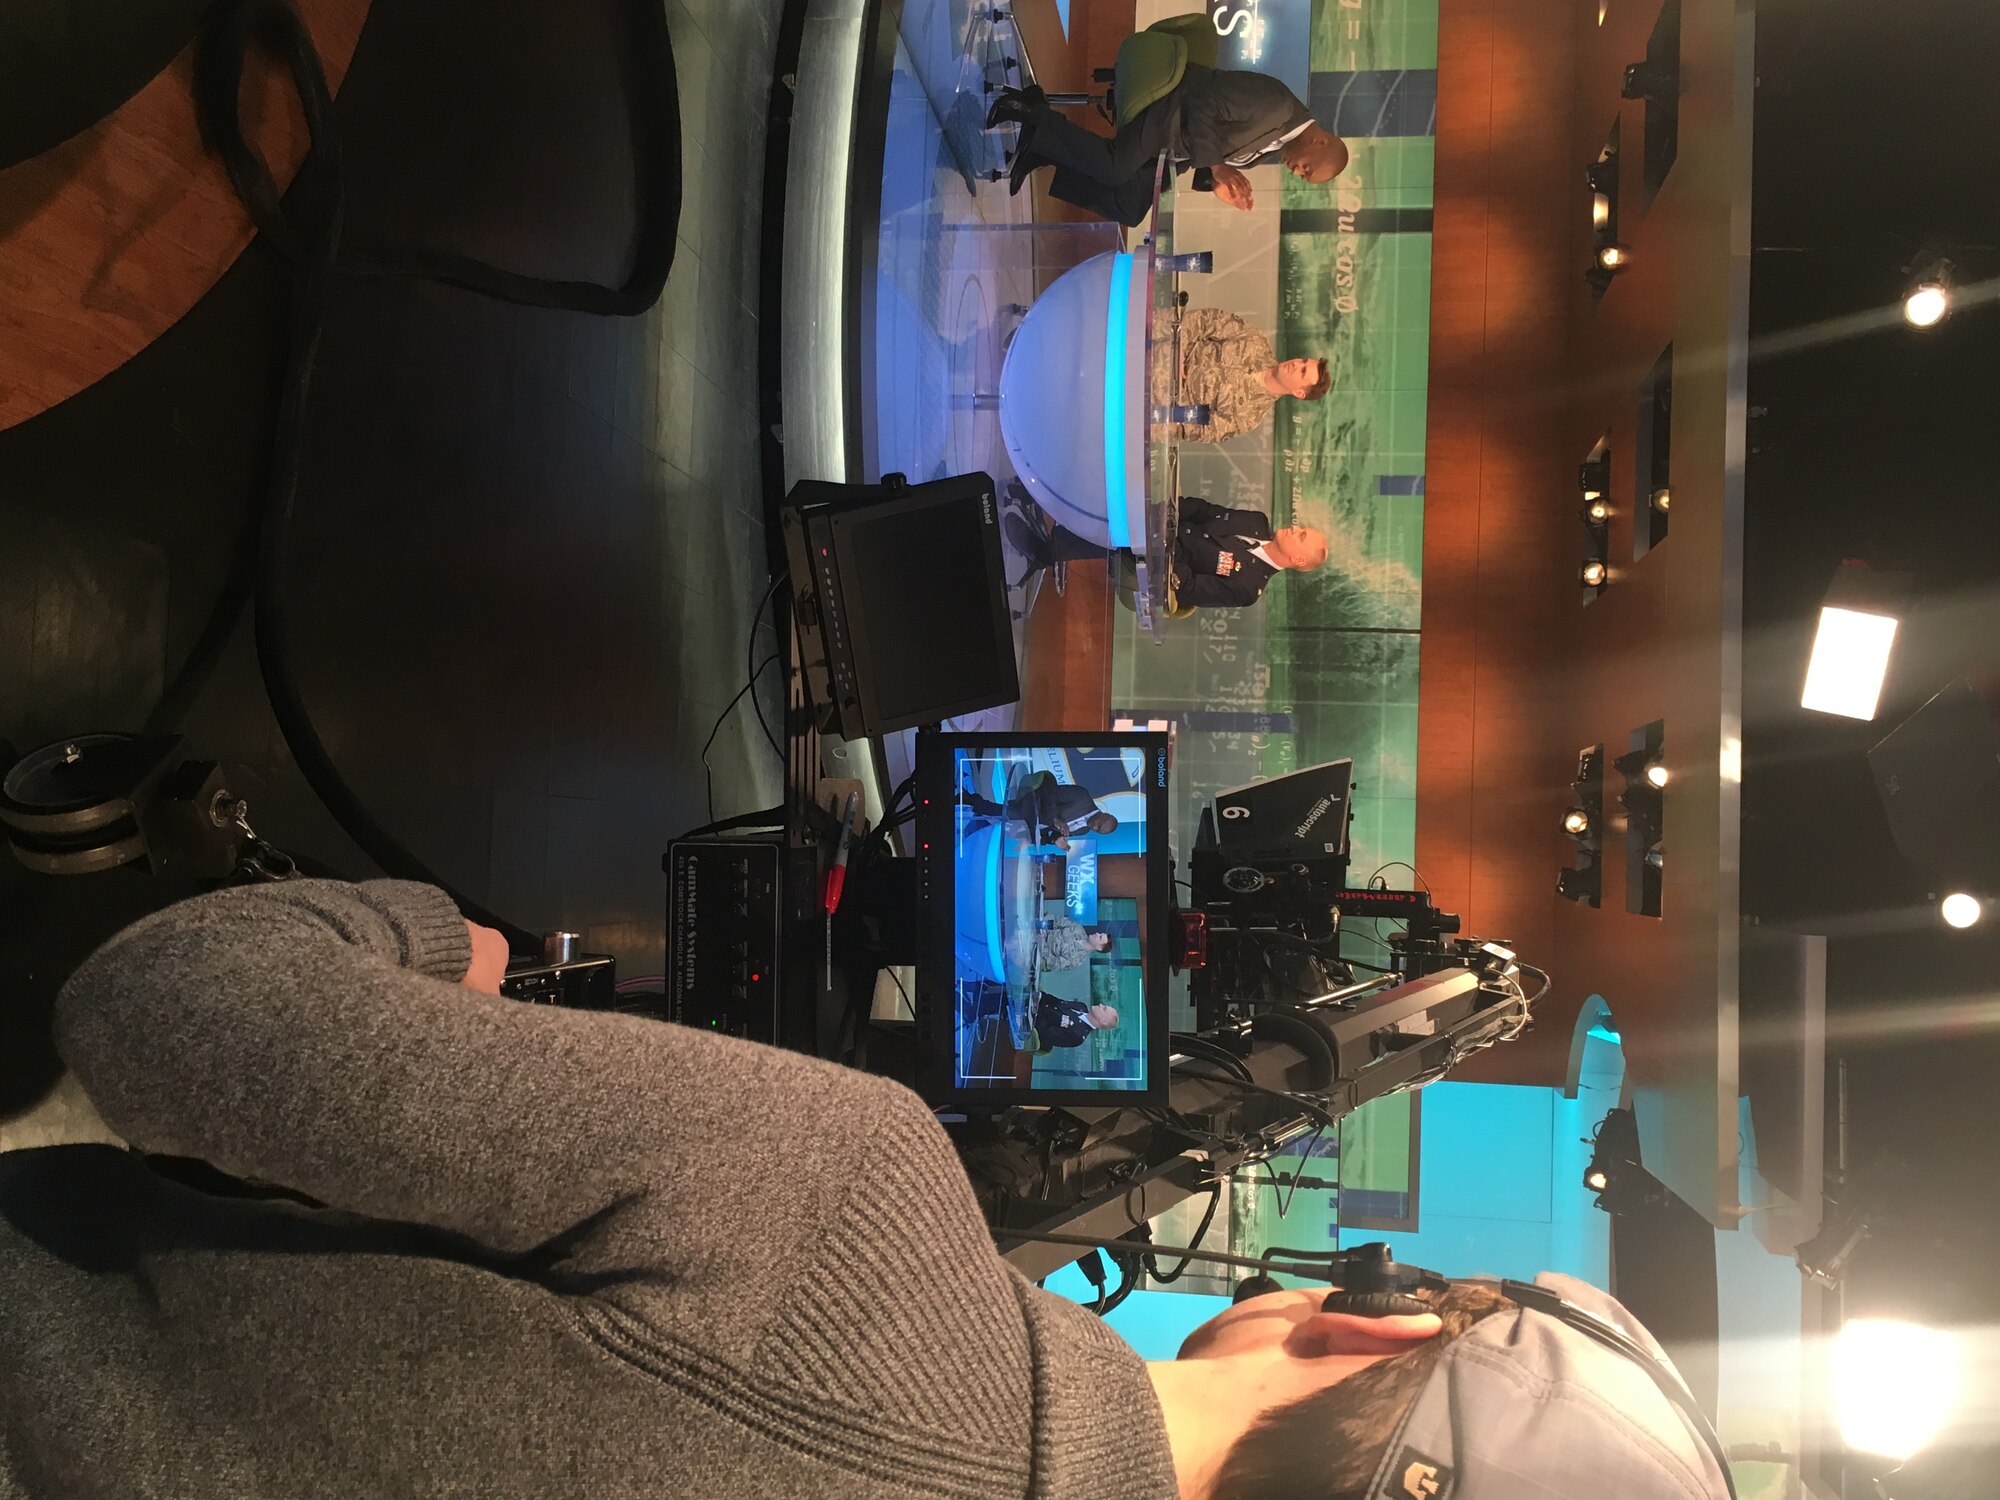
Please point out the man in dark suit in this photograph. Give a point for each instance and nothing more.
(1219, 121)
(1222, 558)
(1059, 811)
(1069, 1023)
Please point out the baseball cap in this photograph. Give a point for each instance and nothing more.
(1524, 1407)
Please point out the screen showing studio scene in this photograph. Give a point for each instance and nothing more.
(1050, 873)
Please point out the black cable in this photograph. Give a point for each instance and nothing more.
(708, 772)
(1164, 1278)
(1403, 864)
(1297, 1101)
(1129, 1265)
(1201, 1046)
(750, 655)
(1305, 1161)
(308, 231)
(910, 1004)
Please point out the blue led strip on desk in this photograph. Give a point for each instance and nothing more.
(1117, 314)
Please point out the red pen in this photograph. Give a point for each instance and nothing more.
(837, 876)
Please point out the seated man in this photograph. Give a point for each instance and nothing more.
(1058, 811)
(1069, 1023)
(1065, 944)
(534, 1251)
(1218, 121)
(1229, 367)
(1222, 558)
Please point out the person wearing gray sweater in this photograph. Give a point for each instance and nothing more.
(506, 1250)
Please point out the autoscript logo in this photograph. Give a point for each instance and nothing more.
(1420, 1482)
(1318, 811)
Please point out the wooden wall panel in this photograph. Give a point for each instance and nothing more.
(1496, 545)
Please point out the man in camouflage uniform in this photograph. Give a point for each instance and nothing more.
(1229, 367)
(1067, 945)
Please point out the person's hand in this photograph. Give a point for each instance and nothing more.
(1062, 842)
(1233, 188)
(489, 959)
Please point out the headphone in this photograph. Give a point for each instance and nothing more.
(1370, 1283)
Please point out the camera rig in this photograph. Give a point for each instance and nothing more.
(1288, 1040)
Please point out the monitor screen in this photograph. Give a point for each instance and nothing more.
(1047, 887)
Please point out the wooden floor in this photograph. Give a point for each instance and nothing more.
(530, 542)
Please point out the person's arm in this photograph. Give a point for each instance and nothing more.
(1196, 512)
(310, 1034)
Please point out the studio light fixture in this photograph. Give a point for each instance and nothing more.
(1600, 210)
(1851, 647)
(1583, 884)
(1663, 498)
(1594, 574)
(1658, 774)
(1894, 1385)
(1613, 257)
(1597, 512)
(1927, 300)
(1651, 81)
(1576, 823)
(1961, 909)
(1596, 1179)
(1602, 178)
(1593, 476)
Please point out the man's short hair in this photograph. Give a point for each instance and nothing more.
(1111, 818)
(1320, 561)
(1330, 1444)
(1322, 385)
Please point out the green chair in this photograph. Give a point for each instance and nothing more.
(1150, 65)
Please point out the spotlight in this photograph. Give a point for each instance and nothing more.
(1651, 81)
(1597, 512)
(1594, 574)
(1593, 476)
(1850, 654)
(1597, 1179)
(1658, 774)
(1612, 257)
(1927, 299)
(1600, 210)
(1662, 498)
(1926, 305)
(1961, 910)
(1576, 823)
(1850, 658)
(1894, 1385)
(1582, 885)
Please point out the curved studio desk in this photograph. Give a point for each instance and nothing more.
(1076, 408)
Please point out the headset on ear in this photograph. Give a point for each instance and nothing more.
(1370, 1284)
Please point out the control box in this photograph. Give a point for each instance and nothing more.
(725, 903)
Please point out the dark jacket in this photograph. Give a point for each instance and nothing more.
(562, 1253)
(1208, 533)
(1062, 1023)
(1058, 804)
(1225, 111)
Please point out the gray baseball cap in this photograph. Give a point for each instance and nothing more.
(1524, 1407)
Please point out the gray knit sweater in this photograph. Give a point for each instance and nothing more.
(561, 1254)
